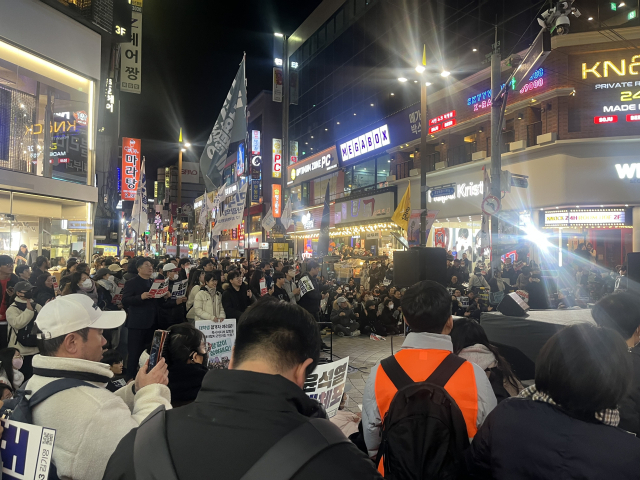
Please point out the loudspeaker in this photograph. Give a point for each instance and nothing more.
(513, 306)
(633, 267)
(420, 263)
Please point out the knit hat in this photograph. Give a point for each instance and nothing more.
(341, 300)
(101, 273)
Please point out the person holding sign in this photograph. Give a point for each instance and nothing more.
(208, 302)
(252, 406)
(142, 312)
(176, 313)
(237, 297)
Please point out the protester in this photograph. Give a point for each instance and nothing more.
(237, 297)
(387, 317)
(114, 359)
(23, 272)
(142, 312)
(566, 422)
(44, 289)
(106, 289)
(89, 421)
(174, 313)
(41, 266)
(471, 343)
(477, 280)
(132, 270)
(187, 356)
(208, 301)
(11, 362)
(8, 281)
(344, 319)
(290, 286)
(538, 296)
(253, 405)
(427, 310)
(310, 301)
(497, 283)
(257, 279)
(196, 282)
(278, 290)
(621, 312)
(21, 315)
(65, 275)
(184, 265)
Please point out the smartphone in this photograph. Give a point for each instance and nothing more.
(157, 344)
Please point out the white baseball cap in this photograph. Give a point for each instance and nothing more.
(169, 266)
(70, 313)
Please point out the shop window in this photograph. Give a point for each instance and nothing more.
(255, 223)
(45, 127)
(383, 165)
(364, 174)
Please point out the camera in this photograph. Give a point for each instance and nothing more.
(556, 18)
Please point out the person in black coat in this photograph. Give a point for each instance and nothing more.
(253, 405)
(237, 297)
(44, 289)
(621, 312)
(40, 267)
(278, 287)
(310, 301)
(142, 312)
(566, 426)
(177, 313)
(538, 296)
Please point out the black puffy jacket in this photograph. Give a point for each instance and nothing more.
(630, 404)
(523, 439)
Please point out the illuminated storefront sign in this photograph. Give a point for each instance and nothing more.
(462, 190)
(276, 200)
(604, 68)
(443, 121)
(368, 142)
(605, 119)
(535, 81)
(276, 149)
(130, 167)
(313, 166)
(628, 170)
(568, 218)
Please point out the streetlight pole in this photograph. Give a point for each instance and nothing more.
(183, 148)
(496, 148)
(424, 190)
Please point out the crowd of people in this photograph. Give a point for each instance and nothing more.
(446, 405)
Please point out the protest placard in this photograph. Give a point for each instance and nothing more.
(159, 288)
(117, 296)
(179, 289)
(263, 287)
(220, 337)
(26, 451)
(306, 285)
(326, 384)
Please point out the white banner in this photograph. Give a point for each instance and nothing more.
(179, 289)
(160, 287)
(131, 58)
(306, 285)
(140, 212)
(326, 384)
(268, 222)
(220, 337)
(233, 211)
(26, 450)
(286, 214)
(204, 210)
(190, 172)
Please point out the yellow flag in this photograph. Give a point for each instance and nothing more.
(403, 212)
(424, 55)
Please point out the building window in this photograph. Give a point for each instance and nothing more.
(383, 164)
(364, 174)
(574, 114)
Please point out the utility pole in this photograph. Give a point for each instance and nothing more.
(285, 120)
(424, 190)
(496, 147)
(179, 207)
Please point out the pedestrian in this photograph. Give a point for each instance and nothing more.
(427, 311)
(142, 312)
(208, 301)
(89, 420)
(570, 415)
(40, 267)
(175, 312)
(21, 257)
(80, 282)
(290, 286)
(237, 297)
(21, 316)
(44, 289)
(187, 356)
(253, 405)
(8, 280)
(11, 362)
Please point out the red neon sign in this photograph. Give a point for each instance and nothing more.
(449, 123)
(605, 119)
(276, 200)
(537, 83)
(440, 118)
(633, 117)
(435, 128)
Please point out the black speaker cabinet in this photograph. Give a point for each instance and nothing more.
(633, 271)
(420, 263)
(513, 306)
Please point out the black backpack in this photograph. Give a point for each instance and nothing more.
(25, 336)
(423, 416)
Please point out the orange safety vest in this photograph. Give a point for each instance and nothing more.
(419, 364)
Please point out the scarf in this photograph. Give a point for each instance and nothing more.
(91, 291)
(107, 285)
(608, 416)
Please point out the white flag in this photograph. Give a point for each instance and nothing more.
(268, 222)
(204, 210)
(286, 214)
(140, 212)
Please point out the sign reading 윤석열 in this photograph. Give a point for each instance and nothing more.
(326, 384)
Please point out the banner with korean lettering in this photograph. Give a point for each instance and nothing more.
(233, 211)
(160, 287)
(276, 200)
(220, 335)
(276, 150)
(140, 212)
(131, 58)
(26, 450)
(117, 296)
(326, 384)
(130, 167)
(179, 289)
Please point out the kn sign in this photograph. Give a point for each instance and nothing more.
(368, 142)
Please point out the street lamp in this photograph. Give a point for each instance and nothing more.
(183, 148)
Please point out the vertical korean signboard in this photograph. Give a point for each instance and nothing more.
(293, 152)
(131, 63)
(276, 200)
(278, 81)
(130, 167)
(276, 171)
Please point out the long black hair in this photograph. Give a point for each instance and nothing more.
(194, 279)
(6, 362)
(467, 332)
(183, 340)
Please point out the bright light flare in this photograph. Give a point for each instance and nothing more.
(420, 68)
(445, 73)
(402, 79)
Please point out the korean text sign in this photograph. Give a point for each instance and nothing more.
(130, 167)
(277, 158)
(179, 289)
(220, 337)
(276, 200)
(326, 384)
(131, 61)
(159, 288)
(26, 450)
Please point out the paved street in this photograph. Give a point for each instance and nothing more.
(363, 354)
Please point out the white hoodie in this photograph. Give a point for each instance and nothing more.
(90, 422)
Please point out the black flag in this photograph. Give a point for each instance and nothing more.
(323, 240)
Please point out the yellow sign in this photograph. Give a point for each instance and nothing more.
(602, 69)
(403, 212)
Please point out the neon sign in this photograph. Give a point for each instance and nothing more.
(443, 121)
(535, 81)
(605, 119)
(608, 65)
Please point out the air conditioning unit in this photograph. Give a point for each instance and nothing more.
(547, 138)
(519, 145)
(414, 172)
(391, 178)
(440, 165)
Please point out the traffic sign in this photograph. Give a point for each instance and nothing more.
(443, 192)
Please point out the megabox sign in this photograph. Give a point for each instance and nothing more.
(365, 143)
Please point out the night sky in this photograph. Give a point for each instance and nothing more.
(190, 55)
